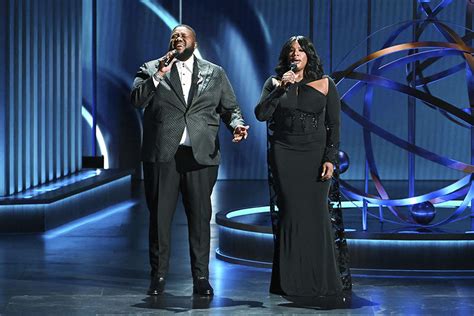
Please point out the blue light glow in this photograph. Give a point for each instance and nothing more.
(248, 211)
(99, 136)
(53, 233)
(418, 274)
(265, 28)
(250, 262)
(412, 243)
(166, 17)
(352, 204)
(344, 204)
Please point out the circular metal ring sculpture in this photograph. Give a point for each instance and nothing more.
(423, 54)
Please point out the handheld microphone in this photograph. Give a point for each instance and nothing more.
(293, 67)
(167, 60)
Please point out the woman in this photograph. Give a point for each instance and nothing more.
(302, 109)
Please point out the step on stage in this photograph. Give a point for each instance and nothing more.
(61, 201)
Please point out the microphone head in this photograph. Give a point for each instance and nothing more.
(174, 52)
(293, 66)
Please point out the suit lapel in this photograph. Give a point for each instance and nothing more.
(203, 77)
(172, 78)
(200, 80)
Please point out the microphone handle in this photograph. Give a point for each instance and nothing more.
(168, 61)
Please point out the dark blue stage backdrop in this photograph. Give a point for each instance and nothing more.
(245, 37)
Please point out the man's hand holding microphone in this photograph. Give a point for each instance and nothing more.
(165, 64)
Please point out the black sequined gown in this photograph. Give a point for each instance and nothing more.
(303, 128)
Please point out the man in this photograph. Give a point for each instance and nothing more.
(184, 99)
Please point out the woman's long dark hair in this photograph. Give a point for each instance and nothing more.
(314, 67)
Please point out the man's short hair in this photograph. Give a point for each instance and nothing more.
(186, 26)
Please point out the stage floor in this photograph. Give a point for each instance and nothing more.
(100, 266)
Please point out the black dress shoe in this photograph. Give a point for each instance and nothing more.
(202, 287)
(157, 286)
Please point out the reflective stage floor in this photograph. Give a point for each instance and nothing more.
(99, 265)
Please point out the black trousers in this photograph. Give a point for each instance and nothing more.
(163, 182)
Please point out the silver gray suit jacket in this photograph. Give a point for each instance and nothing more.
(166, 113)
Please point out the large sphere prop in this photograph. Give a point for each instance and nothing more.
(423, 213)
(343, 161)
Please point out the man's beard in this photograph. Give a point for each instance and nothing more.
(187, 52)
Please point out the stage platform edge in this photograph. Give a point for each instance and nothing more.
(249, 241)
(58, 202)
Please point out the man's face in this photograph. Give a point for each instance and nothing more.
(183, 40)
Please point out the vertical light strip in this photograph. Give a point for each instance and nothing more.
(72, 89)
(74, 56)
(19, 86)
(49, 98)
(36, 98)
(58, 124)
(16, 106)
(94, 78)
(78, 100)
(10, 95)
(61, 84)
(27, 94)
(42, 106)
(33, 121)
(16, 101)
(66, 83)
(54, 92)
(49, 106)
(4, 20)
(62, 105)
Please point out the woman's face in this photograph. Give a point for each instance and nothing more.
(297, 56)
